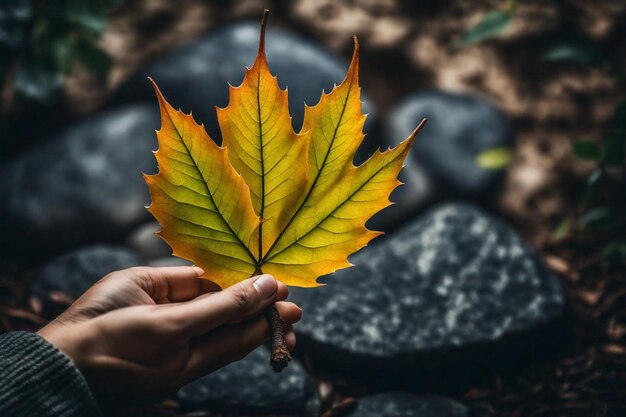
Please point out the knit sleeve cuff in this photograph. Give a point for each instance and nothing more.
(36, 379)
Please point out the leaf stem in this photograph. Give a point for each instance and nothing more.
(279, 355)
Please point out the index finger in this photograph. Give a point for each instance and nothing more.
(184, 287)
(173, 283)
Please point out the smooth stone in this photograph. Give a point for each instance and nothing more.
(195, 76)
(459, 128)
(75, 272)
(83, 186)
(147, 244)
(398, 404)
(452, 290)
(251, 386)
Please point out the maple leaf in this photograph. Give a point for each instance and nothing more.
(289, 204)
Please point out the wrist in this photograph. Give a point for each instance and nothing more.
(70, 340)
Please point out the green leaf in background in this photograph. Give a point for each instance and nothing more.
(585, 149)
(563, 229)
(492, 24)
(43, 39)
(599, 218)
(494, 158)
(572, 52)
(88, 14)
(596, 184)
(94, 58)
(62, 54)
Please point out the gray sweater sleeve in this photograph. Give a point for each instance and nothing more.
(36, 379)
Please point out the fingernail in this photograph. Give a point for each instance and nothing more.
(198, 270)
(266, 285)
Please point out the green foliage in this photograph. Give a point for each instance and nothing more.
(603, 200)
(494, 158)
(587, 150)
(44, 38)
(572, 52)
(563, 230)
(490, 26)
(601, 218)
(611, 152)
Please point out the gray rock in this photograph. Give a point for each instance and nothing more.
(453, 287)
(460, 126)
(144, 240)
(251, 386)
(397, 404)
(74, 272)
(195, 76)
(83, 186)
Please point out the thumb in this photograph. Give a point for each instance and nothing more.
(234, 304)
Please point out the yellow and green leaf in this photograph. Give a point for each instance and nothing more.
(272, 200)
(256, 129)
(202, 204)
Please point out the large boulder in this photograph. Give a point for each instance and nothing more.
(251, 386)
(195, 76)
(455, 291)
(459, 128)
(83, 186)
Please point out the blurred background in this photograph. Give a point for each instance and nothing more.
(527, 122)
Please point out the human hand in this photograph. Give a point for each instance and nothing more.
(140, 334)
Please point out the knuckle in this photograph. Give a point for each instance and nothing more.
(147, 278)
(242, 296)
(148, 284)
(138, 271)
(166, 323)
(168, 326)
(110, 277)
